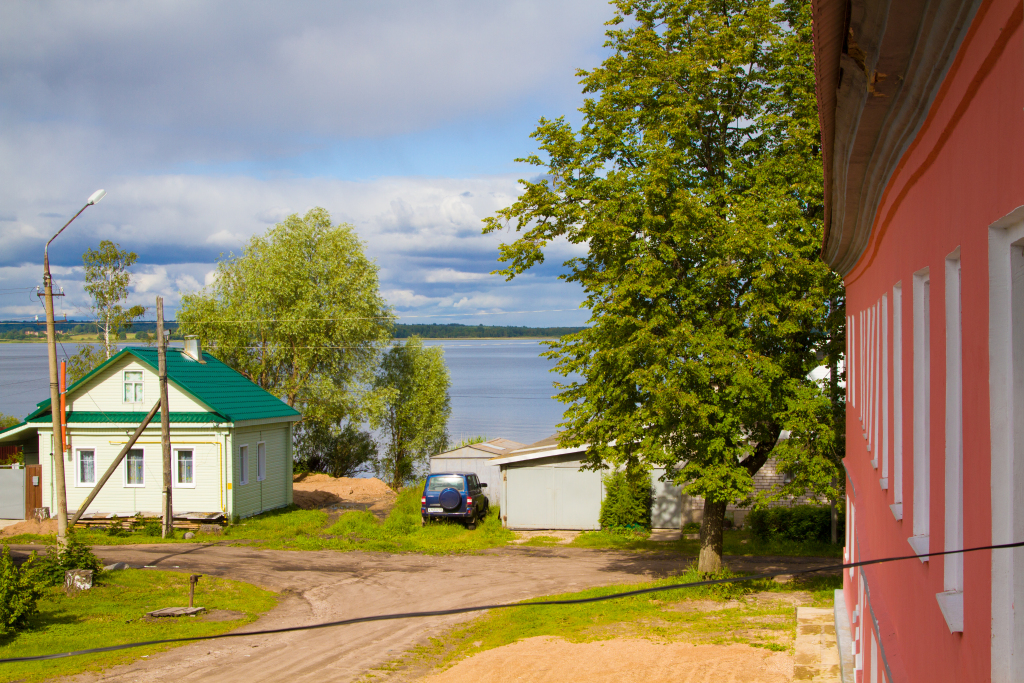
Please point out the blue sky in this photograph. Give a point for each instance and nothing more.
(209, 121)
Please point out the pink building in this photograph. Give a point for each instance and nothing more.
(922, 125)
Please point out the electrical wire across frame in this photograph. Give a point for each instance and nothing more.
(479, 608)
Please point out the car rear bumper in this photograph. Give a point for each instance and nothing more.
(447, 515)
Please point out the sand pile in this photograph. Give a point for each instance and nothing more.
(619, 660)
(31, 526)
(319, 491)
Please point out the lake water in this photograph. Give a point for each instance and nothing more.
(500, 388)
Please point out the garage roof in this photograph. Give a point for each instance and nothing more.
(545, 448)
(493, 447)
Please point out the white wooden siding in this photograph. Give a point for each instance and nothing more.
(208, 463)
(105, 392)
(275, 490)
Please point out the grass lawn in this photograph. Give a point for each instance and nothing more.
(113, 612)
(295, 529)
(760, 613)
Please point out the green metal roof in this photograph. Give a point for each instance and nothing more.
(231, 396)
(125, 417)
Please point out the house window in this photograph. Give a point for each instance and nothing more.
(132, 386)
(184, 469)
(86, 467)
(922, 411)
(135, 471)
(897, 400)
(261, 461)
(1006, 424)
(243, 465)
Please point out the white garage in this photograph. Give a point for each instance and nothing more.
(543, 488)
(477, 458)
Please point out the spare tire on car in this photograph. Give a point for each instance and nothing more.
(450, 499)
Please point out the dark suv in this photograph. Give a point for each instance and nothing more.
(454, 495)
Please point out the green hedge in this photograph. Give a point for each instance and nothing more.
(797, 523)
(628, 499)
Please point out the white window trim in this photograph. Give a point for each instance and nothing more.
(78, 468)
(897, 401)
(124, 381)
(884, 479)
(243, 464)
(922, 414)
(1006, 422)
(953, 577)
(178, 484)
(261, 461)
(125, 468)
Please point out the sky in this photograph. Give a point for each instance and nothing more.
(209, 121)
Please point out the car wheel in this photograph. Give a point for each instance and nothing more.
(471, 525)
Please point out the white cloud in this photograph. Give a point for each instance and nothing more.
(452, 275)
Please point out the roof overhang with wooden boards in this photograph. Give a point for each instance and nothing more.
(878, 67)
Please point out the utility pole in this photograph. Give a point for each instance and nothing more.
(51, 342)
(165, 420)
(58, 441)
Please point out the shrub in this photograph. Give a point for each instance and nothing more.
(76, 555)
(797, 523)
(628, 499)
(18, 592)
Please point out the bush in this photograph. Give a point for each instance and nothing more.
(628, 499)
(797, 523)
(18, 592)
(76, 555)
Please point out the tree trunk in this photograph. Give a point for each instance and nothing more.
(712, 528)
(834, 514)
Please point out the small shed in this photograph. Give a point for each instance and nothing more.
(477, 458)
(543, 487)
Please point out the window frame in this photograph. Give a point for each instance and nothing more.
(243, 464)
(261, 460)
(127, 467)
(178, 484)
(141, 384)
(78, 467)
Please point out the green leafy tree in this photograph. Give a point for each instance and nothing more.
(414, 382)
(695, 185)
(300, 313)
(340, 451)
(107, 280)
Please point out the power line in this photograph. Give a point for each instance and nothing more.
(479, 608)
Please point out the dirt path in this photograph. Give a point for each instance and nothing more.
(328, 586)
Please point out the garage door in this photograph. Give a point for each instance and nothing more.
(552, 498)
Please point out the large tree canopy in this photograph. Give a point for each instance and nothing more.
(695, 185)
(298, 312)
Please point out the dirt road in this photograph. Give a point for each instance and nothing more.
(328, 586)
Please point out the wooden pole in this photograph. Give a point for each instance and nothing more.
(165, 419)
(117, 461)
(58, 442)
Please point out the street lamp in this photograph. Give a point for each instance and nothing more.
(51, 341)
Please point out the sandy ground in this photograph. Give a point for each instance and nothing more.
(30, 526)
(323, 492)
(327, 586)
(554, 660)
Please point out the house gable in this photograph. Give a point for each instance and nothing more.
(104, 391)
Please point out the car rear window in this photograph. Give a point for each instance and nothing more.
(442, 482)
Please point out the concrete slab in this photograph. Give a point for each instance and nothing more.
(817, 654)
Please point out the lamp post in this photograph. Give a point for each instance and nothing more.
(51, 341)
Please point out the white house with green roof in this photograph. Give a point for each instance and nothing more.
(231, 441)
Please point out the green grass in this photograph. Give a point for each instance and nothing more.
(113, 612)
(294, 529)
(753, 613)
(736, 542)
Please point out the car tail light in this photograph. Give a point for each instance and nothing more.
(423, 500)
(469, 500)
